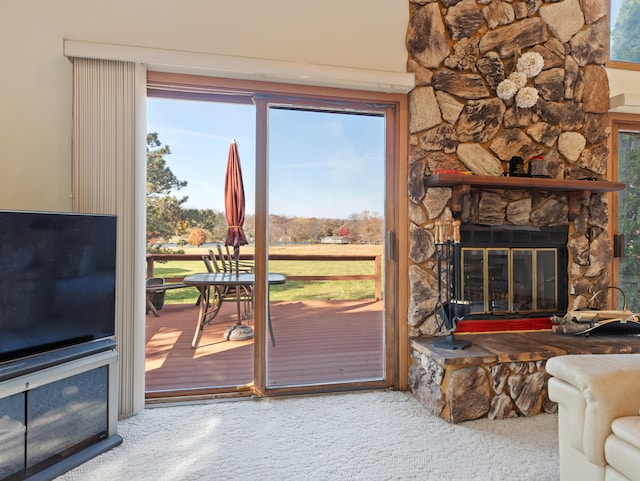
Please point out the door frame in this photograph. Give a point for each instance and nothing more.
(395, 106)
(618, 121)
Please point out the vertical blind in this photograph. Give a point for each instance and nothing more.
(108, 163)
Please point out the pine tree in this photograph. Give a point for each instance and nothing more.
(163, 208)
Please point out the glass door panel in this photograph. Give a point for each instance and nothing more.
(628, 216)
(522, 287)
(498, 279)
(186, 182)
(546, 281)
(326, 185)
(473, 279)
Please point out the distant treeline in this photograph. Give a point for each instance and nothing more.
(197, 226)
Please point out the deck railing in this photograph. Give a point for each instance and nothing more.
(377, 259)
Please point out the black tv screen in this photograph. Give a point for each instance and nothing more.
(57, 280)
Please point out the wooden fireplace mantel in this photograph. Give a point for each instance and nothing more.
(579, 191)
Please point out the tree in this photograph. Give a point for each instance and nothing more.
(163, 208)
(329, 227)
(249, 227)
(197, 237)
(305, 229)
(371, 228)
(278, 228)
(625, 44)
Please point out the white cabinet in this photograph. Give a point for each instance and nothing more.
(57, 410)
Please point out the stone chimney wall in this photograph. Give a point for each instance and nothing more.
(460, 50)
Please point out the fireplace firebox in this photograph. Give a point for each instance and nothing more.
(512, 272)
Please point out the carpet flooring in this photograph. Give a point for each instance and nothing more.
(372, 435)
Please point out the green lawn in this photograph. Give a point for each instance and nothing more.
(293, 290)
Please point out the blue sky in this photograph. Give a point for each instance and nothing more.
(320, 164)
(615, 6)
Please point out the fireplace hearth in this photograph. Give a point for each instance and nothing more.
(501, 375)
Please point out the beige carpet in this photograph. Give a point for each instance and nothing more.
(379, 435)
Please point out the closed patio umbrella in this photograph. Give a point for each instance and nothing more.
(234, 210)
(234, 201)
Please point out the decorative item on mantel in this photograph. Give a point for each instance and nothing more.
(516, 167)
(538, 167)
(452, 307)
(527, 66)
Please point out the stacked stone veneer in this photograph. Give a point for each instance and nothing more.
(459, 52)
(475, 388)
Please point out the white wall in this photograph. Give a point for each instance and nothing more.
(36, 79)
(623, 81)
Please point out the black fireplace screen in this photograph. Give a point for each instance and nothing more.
(515, 272)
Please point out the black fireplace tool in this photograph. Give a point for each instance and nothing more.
(452, 308)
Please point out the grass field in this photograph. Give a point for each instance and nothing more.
(292, 290)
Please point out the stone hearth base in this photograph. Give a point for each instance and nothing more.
(501, 375)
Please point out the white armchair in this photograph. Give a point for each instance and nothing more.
(598, 400)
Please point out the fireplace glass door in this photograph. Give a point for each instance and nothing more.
(546, 287)
(522, 283)
(509, 280)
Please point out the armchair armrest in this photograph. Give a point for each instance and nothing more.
(610, 384)
(575, 406)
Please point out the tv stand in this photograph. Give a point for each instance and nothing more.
(57, 410)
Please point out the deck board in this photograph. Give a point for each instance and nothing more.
(316, 342)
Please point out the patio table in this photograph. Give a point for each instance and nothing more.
(204, 281)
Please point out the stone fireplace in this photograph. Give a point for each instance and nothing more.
(463, 135)
(460, 51)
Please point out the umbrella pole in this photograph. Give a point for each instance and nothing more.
(239, 331)
(236, 257)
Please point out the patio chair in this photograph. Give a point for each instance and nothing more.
(208, 264)
(213, 295)
(155, 300)
(242, 295)
(229, 264)
(213, 264)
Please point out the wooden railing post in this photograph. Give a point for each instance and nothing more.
(150, 267)
(378, 275)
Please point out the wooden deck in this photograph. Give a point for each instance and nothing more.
(322, 342)
(316, 342)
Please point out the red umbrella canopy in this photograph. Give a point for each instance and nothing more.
(234, 199)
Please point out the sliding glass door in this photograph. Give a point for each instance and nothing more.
(627, 143)
(326, 194)
(321, 188)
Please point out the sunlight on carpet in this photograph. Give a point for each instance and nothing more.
(374, 435)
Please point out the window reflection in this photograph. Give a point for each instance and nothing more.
(624, 40)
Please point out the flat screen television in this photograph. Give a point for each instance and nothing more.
(57, 280)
